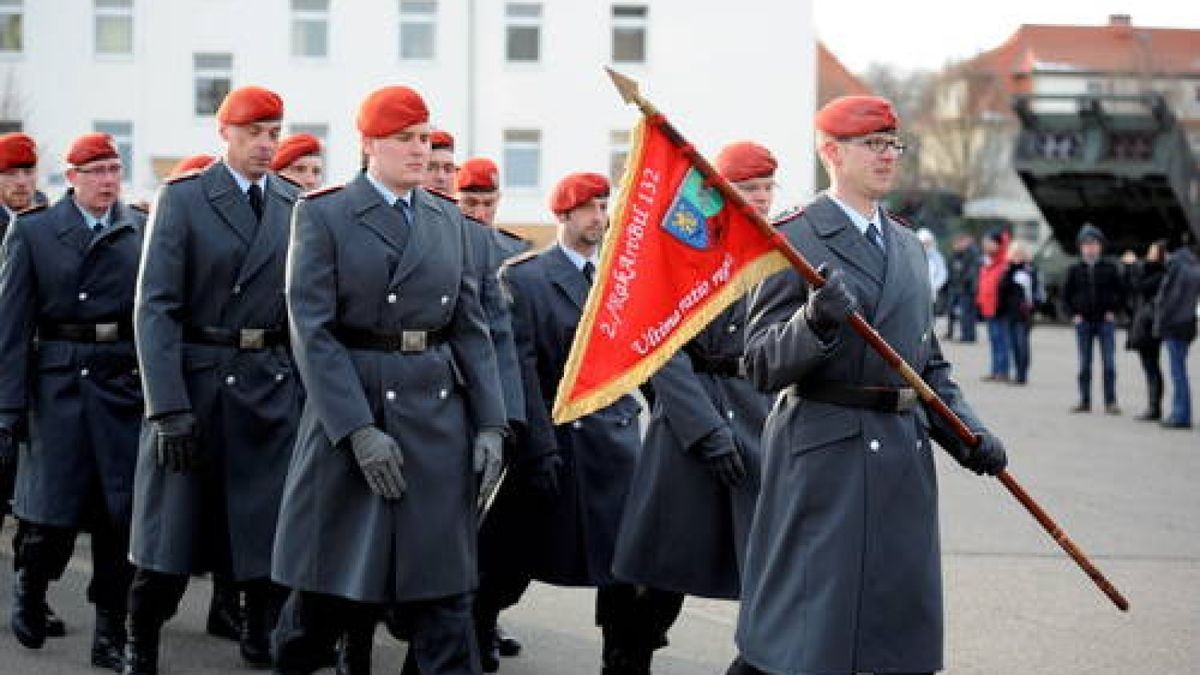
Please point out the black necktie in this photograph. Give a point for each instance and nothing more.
(589, 272)
(256, 200)
(98, 226)
(402, 207)
(874, 236)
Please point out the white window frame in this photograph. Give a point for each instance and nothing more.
(308, 16)
(111, 12)
(620, 143)
(209, 73)
(521, 140)
(519, 19)
(629, 23)
(413, 16)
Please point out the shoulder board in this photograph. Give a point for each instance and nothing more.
(521, 258)
(287, 180)
(475, 220)
(186, 175)
(787, 214)
(140, 206)
(510, 234)
(33, 209)
(321, 192)
(441, 194)
(899, 219)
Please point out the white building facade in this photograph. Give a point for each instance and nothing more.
(519, 81)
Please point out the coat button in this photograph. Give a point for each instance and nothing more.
(443, 393)
(391, 298)
(83, 372)
(389, 395)
(729, 414)
(445, 299)
(577, 424)
(83, 296)
(874, 445)
(230, 380)
(237, 289)
(279, 377)
(733, 328)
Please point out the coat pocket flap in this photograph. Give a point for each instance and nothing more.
(820, 424)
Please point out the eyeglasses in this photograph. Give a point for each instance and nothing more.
(878, 144)
(103, 170)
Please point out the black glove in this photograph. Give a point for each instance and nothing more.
(379, 457)
(830, 305)
(986, 458)
(721, 456)
(176, 443)
(8, 450)
(541, 475)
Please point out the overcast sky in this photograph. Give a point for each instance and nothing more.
(928, 33)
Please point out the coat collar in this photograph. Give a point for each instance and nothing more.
(271, 234)
(564, 274)
(833, 225)
(228, 200)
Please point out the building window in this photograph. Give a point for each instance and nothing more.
(1198, 94)
(418, 24)
(321, 131)
(8, 126)
(122, 133)
(114, 27)
(629, 33)
(214, 79)
(618, 154)
(523, 32)
(310, 28)
(522, 158)
(12, 32)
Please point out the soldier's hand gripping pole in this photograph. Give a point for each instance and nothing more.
(628, 89)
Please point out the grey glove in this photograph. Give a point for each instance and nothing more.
(379, 457)
(489, 459)
(721, 457)
(830, 305)
(986, 458)
(176, 442)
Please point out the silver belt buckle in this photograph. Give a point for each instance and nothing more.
(413, 340)
(906, 399)
(252, 338)
(107, 332)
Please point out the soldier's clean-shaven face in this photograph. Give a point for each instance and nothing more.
(97, 184)
(583, 226)
(400, 160)
(758, 192)
(306, 171)
(250, 147)
(481, 206)
(865, 165)
(441, 171)
(18, 187)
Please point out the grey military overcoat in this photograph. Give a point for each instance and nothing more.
(354, 264)
(683, 529)
(207, 263)
(568, 540)
(843, 569)
(83, 400)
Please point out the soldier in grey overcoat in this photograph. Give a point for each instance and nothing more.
(69, 372)
(843, 571)
(576, 476)
(391, 342)
(222, 399)
(693, 495)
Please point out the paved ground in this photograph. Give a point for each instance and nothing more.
(1125, 491)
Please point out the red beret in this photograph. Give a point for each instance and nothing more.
(849, 116)
(191, 164)
(442, 140)
(90, 148)
(745, 160)
(293, 148)
(577, 189)
(247, 105)
(478, 174)
(17, 150)
(390, 109)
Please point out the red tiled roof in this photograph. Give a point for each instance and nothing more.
(833, 79)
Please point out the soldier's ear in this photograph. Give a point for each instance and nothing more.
(223, 130)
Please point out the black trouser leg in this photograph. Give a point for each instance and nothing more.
(112, 575)
(264, 599)
(443, 636)
(358, 641)
(1149, 357)
(224, 609)
(634, 621)
(498, 590)
(740, 667)
(308, 629)
(153, 599)
(41, 557)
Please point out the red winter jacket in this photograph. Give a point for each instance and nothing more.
(990, 275)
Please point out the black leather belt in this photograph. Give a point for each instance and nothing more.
(114, 331)
(883, 399)
(406, 341)
(725, 366)
(241, 338)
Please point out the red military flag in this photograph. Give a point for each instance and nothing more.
(676, 254)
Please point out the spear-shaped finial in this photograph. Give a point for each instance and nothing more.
(628, 88)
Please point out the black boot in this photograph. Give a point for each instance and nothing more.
(1149, 415)
(485, 638)
(141, 652)
(258, 619)
(354, 656)
(506, 643)
(55, 627)
(224, 610)
(621, 656)
(29, 609)
(108, 642)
